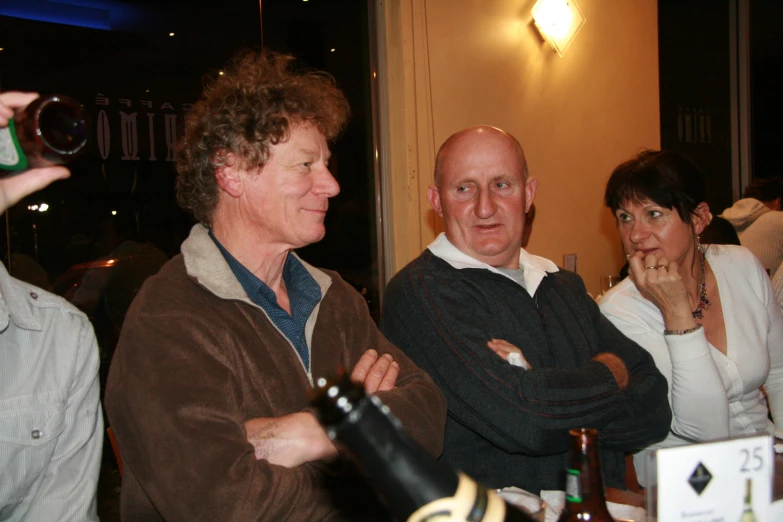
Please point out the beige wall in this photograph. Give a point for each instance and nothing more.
(465, 62)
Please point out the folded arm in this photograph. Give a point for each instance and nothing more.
(413, 399)
(507, 351)
(178, 423)
(295, 439)
(290, 440)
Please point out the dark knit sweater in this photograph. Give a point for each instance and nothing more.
(507, 426)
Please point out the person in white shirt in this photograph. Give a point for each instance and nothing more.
(758, 220)
(707, 314)
(51, 426)
(777, 286)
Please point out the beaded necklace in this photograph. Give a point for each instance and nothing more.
(704, 300)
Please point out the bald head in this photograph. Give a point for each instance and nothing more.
(468, 140)
(482, 192)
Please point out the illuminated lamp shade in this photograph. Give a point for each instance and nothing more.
(558, 21)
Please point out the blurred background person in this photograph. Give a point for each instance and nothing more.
(758, 220)
(777, 285)
(719, 231)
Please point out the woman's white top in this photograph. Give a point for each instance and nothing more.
(712, 395)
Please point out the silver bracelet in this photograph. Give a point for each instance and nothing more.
(681, 332)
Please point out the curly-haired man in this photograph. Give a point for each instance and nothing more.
(208, 390)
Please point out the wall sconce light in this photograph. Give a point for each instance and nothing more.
(558, 21)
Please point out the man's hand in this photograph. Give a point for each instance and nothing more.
(375, 373)
(616, 366)
(290, 440)
(508, 352)
(16, 187)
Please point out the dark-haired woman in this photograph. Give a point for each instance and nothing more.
(707, 314)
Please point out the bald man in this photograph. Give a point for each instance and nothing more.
(475, 302)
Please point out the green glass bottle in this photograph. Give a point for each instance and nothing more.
(585, 499)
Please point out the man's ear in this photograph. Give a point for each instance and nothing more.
(228, 176)
(776, 204)
(531, 185)
(433, 196)
(701, 217)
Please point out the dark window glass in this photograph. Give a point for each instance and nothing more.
(136, 67)
(694, 74)
(766, 84)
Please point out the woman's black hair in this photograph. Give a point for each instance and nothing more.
(667, 178)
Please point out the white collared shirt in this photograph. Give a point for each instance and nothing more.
(534, 268)
(51, 426)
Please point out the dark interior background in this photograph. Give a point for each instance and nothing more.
(694, 66)
(137, 82)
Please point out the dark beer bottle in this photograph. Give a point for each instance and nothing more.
(51, 130)
(584, 488)
(415, 486)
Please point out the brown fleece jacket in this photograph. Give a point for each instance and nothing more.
(196, 359)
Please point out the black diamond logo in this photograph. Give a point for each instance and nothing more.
(700, 478)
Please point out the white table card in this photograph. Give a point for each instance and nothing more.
(710, 482)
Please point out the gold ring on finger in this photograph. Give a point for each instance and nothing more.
(662, 266)
(650, 267)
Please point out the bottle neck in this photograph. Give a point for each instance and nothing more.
(586, 471)
(406, 475)
(584, 484)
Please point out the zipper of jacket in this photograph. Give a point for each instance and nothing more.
(540, 312)
(307, 370)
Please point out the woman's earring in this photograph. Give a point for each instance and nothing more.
(698, 244)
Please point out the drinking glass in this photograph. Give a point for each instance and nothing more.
(608, 281)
